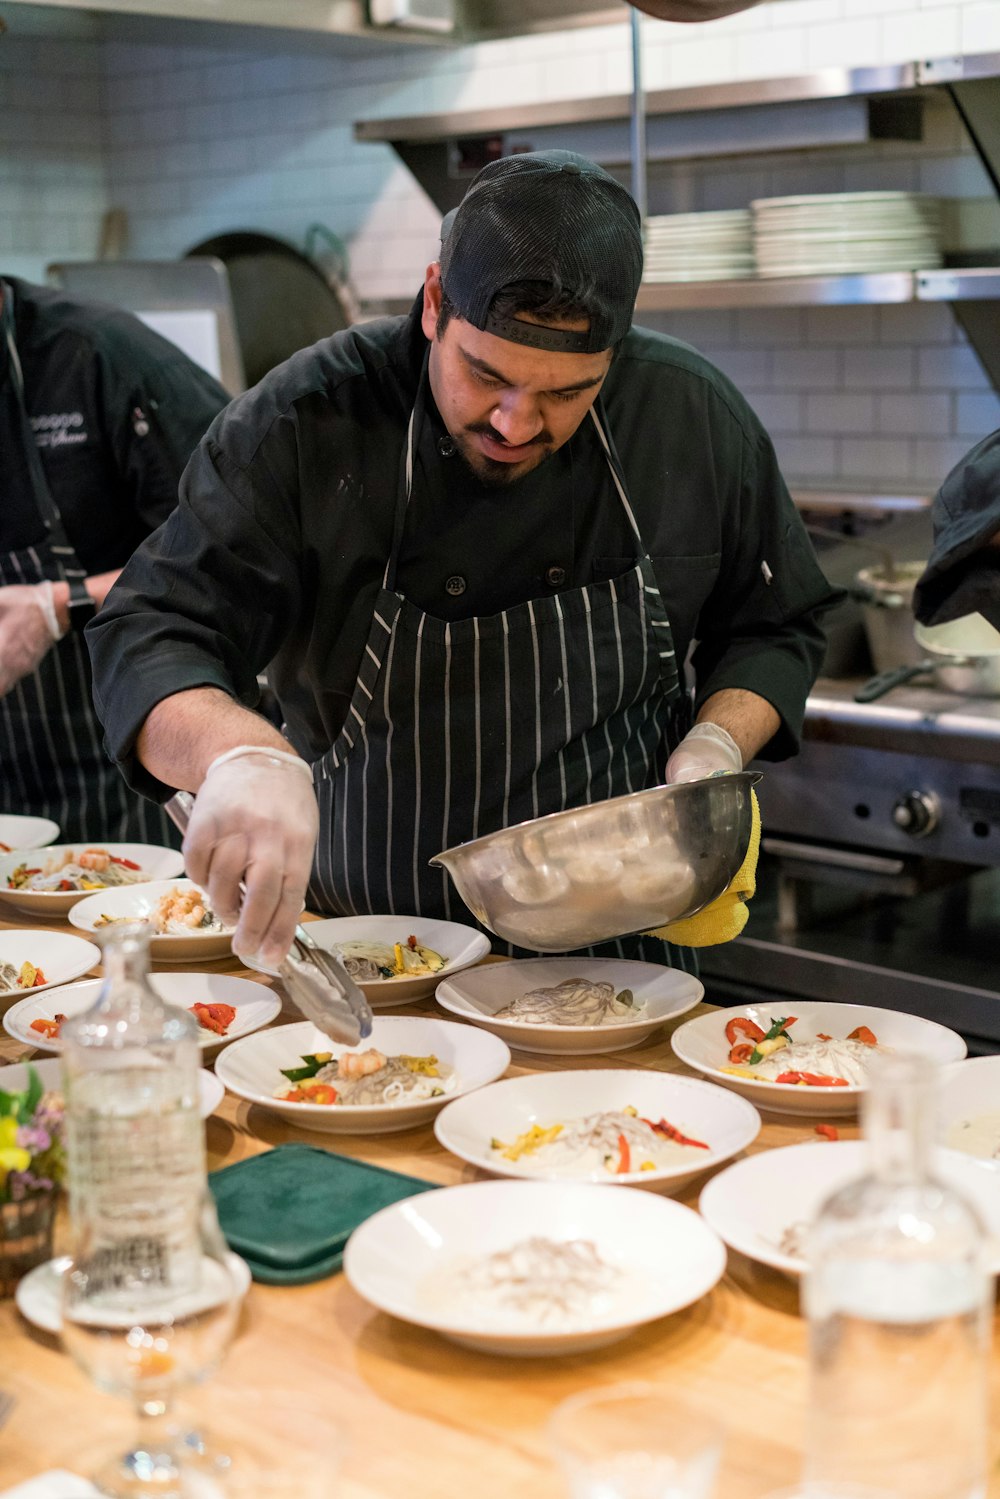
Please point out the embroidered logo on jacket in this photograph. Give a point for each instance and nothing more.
(62, 429)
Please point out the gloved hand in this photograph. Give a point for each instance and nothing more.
(706, 750)
(28, 628)
(255, 819)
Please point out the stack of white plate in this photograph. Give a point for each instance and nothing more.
(825, 234)
(699, 246)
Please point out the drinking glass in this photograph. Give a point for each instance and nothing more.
(635, 1442)
(140, 1331)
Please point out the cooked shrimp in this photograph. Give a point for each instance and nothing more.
(355, 1064)
(95, 858)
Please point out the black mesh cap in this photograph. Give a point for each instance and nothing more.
(553, 217)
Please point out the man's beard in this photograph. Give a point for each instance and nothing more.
(492, 472)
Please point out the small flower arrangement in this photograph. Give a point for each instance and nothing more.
(32, 1144)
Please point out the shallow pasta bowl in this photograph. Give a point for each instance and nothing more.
(252, 1069)
(410, 1259)
(968, 1103)
(762, 1206)
(138, 903)
(17, 831)
(49, 1069)
(61, 958)
(659, 993)
(460, 946)
(255, 1004)
(629, 864)
(724, 1123)
(702, 1044)
(154, 860)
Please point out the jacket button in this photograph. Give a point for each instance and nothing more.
(446, 447)
(455, 585)
(555, 576)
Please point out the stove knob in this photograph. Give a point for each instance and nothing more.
(917, 813)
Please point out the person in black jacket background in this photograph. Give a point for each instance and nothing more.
(98, 416)
(963, 573)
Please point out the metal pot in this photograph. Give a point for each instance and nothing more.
(963, 656)
(886, 599)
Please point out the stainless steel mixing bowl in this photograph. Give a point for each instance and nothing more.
(609, 869)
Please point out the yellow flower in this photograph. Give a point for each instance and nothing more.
(13, 1157)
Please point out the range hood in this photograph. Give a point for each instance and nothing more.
(428, 22)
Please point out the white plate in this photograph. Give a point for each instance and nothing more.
(255, 1004)
(400, 1259)
(752, 1203)
(139, 902)
(15, 1077)
(505, 1110)
(476, 995)
(968, 1088)
(702, 1044)
(61, 958)
(39, 1298)
(461, 945)
(251, 1068)
(157, 862)
(26, 832)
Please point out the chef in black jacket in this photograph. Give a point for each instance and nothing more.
(963, 572)
(475, 545)
(98, 417)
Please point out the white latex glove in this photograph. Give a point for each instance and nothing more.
(255, 819)
(707, 750)
(28, 628)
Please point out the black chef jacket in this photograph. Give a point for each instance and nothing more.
(963, 574)
(277, 549)
(116, 411)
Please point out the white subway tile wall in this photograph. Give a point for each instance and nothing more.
(190, 140)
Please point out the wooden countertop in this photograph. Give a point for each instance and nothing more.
(430, 1420)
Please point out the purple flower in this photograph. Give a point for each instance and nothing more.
(34, 1137)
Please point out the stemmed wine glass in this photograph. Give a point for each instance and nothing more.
(143, 1318)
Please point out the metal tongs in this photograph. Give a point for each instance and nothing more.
(315, 980)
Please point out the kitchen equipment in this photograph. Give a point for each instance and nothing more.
(885, 594)
(628, 864)
(963, 655)
(281, 299)
(315, 981)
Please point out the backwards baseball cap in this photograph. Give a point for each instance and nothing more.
(553, 217)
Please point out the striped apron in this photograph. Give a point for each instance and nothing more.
(51, 760)
(459, 728)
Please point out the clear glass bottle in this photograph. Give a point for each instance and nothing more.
(135, 1141)
(899, 1299)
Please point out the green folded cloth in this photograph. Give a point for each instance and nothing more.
(290, 1211)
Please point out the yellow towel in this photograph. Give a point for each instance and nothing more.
(726, 917)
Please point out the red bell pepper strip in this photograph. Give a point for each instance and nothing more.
(828, 1131)
(624, 1157)
(125, 863)
(864, 1035)
(740, 1024)
(48, 1028)
(812, 1079)
(670, 1132)
(742, 1053)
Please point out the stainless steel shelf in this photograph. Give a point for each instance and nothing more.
(828, 83)
(975, 284)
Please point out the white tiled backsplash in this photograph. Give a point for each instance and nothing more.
(190, 140)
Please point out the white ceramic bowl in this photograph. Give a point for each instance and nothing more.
(251, 1068)
(61, 958)
(157, 862)
(702, 1044)
(39, 1299)
(753, 1202)
(968, 1089)
(15, 1076)
(26, 832)
(479, 993)
(401, 1260)
(255, 1004)
(507, 1109)
(139, 902)
(461, 945)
